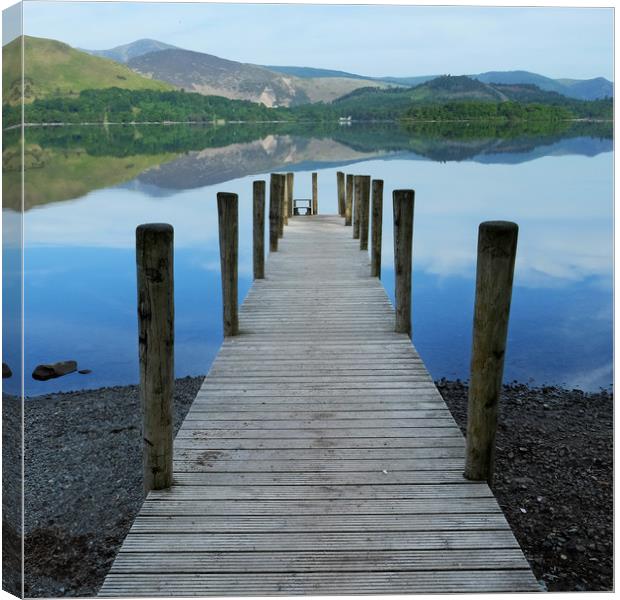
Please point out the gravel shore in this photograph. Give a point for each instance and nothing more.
(554, 479)
(83, 481)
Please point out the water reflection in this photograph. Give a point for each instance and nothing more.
(87, 189)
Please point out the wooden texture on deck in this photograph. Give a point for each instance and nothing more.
(318, 456)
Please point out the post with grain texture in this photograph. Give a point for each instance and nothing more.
(285, 207)
(315, 194)
(403, 238)
(356, 206)
(348, 201)
(281, 207)
(376, 225)
(497, 249)
(364, 210)
(340, 184)
(258, 221)
(276, 189)
(154, 261)
(228, 217)
(290, 180)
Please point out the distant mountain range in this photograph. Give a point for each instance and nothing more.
(211, 75)
(55, 69)
(582, 89)
(209, 68)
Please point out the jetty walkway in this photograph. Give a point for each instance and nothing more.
(318, 456)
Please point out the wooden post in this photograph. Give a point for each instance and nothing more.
(356, 206)
(285, 207)
(315, 194)
(377, 224)
(290, 180)
(228, 217)
(364, 182)
(281, 208)
(403, 237)
(348, 203)
(340, 184)
(497, 249)
(258, 190)
(154, 261)
(276, 189)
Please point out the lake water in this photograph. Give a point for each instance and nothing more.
(88, 188)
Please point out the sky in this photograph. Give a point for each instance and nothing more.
(371, 40)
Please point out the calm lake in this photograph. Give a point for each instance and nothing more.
(88, 188)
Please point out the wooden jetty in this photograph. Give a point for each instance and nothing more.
(318, 456)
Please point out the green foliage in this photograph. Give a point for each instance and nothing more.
(52, 68)
(115, 105)
(511, 111)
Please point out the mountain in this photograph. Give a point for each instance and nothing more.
(211, 75)
(454, 89)
(467, 98)
(582, 89)
(126, 52)
(309, 72)
(53, 68)
(590, 89)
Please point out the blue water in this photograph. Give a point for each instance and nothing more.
(80, 296)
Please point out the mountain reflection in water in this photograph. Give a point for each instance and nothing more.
(86, 189)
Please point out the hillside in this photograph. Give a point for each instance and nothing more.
(311, 72)
(370, 103)
(589, 89)
(126, 52)
(582, 89)
(53, 68)
(456, 89)
(392, 102)
(210, 75)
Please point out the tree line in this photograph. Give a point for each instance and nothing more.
(134, 106)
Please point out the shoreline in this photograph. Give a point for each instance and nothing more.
(554, 480)
(300, 122)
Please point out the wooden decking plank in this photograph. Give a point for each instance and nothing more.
(352, 561)
(257, 584)
(301, 523)
(318, 456)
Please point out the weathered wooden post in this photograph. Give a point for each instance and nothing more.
(276, 190)
(377, 224)
(290, 180)
(285, 207)
(403, 237)
(281, 208)
(348, 203)
(315, 194)
(258, 222)
(154, 260)
(497, 249)
(356, 206)
(364, 182)
(228, 217)
(340, 184)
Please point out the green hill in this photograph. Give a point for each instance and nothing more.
(53, 68)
